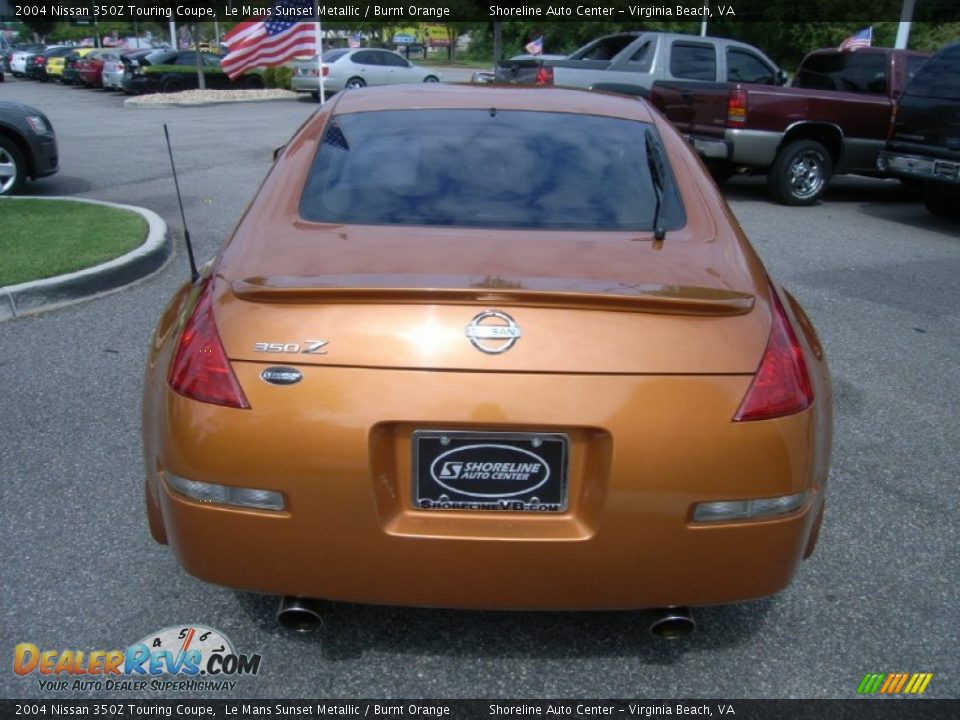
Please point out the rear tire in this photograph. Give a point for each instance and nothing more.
(800, 173)
(171, 85)
(13, 167)
(354, 83)
(431, 79)
(940, 202)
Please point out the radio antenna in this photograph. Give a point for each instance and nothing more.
(194, 274)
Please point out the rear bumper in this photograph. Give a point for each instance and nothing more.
(919, 167)
(351, 533)
(751, 148)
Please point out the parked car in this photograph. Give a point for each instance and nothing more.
(345, 68)
(19, 55)
(925, 143)
(115, 67)
(90, 66)
(71, 66)
(498, 348)
(36, 65)
(28, 146)
(56, 62)
(633, 61)
(835, 118)
(176, 70)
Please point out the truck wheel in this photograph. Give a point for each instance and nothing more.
(800, 173)
(941, 202)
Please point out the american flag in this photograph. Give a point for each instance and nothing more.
(535, 47)
(266, 43)
(861, 38)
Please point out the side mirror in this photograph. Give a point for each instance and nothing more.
(781, 77)
(277, 151)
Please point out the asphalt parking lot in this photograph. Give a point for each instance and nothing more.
(876, 273)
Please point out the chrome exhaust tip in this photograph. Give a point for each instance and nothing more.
(672, 623)
(299, 614)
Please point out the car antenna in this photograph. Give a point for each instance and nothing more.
(194, 274)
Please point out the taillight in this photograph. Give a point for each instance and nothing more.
(200, 369)
(781, 385)
(326, 71)
(544, 76)
(737, 107)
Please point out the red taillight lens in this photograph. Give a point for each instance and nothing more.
(737, 107)
(781, 385)
(326, 71)
(200, 369)
(544, 76)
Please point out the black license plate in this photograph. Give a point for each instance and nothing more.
(500, 472)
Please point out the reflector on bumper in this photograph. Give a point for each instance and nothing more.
(227, 495)
(732, 510)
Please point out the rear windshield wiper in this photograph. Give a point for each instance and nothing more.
(658, 177)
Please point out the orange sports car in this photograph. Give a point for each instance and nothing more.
(488, 347)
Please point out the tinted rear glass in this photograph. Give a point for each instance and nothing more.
(851, 71)
(485, 168)
(939, 77)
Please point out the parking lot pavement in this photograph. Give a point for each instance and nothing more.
(877, 274)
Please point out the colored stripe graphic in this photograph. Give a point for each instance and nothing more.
(894, 683)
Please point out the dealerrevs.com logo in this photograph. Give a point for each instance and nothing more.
(180, 658)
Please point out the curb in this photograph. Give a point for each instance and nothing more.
(137, 102)
(41, 295)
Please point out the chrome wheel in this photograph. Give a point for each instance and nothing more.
(806, 176)
(12, 168)
(354, 83)
(800, 172)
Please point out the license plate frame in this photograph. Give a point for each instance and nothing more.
(462, 470)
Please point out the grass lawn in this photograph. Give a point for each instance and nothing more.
(43, 238)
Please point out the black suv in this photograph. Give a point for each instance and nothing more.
(925, 143)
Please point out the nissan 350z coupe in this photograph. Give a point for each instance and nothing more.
(488, 348)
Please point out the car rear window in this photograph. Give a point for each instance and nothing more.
(487, 168)
(939, 77)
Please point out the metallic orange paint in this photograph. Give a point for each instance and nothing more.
(639, 351)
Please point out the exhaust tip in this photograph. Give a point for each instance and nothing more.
(673, 624)
(300, 615)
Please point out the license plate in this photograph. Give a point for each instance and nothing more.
(498, 472)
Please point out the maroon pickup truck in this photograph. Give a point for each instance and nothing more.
(834, 119)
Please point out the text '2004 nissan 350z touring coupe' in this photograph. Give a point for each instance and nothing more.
(488, 348)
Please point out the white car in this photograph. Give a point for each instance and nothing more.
(18, 61)
(345, 69)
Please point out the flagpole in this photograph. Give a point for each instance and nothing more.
(318, 30)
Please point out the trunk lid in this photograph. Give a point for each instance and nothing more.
(433, 299)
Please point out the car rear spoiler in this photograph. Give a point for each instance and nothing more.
(640, 297)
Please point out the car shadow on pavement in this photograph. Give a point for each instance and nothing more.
(351, 630)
